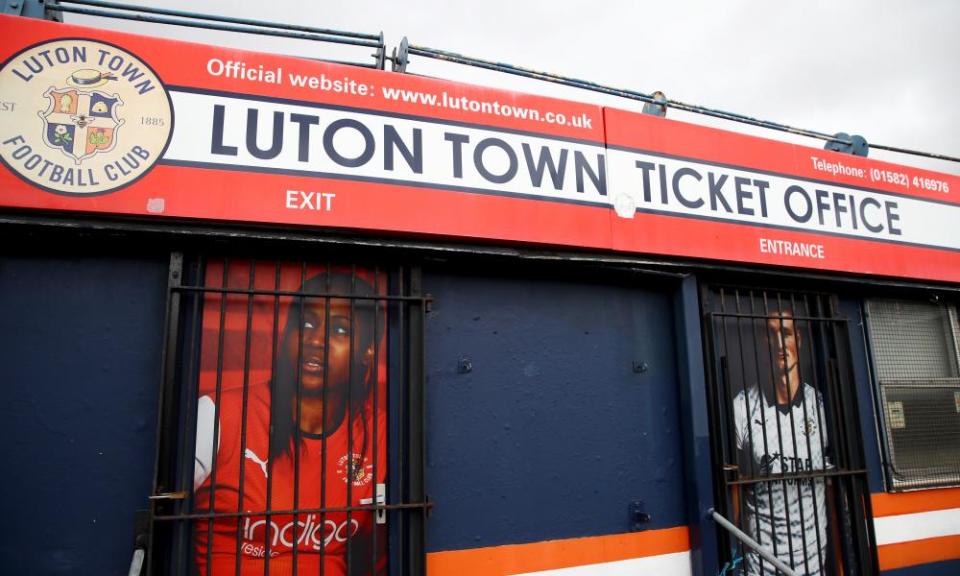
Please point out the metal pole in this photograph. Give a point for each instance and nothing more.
(214, 26)
(621, 92)
(753, 544)
(216, 18)
(649, 99)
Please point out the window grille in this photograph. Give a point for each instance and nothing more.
(786, 439)
(917, 366)
(291, 428)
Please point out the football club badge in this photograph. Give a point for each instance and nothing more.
(91, 118)
(81, 122)
(355, 468)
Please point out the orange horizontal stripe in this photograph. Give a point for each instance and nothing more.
(904, 554)
(911, 502)
(552, 554)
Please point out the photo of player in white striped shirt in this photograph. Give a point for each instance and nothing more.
(781, 428)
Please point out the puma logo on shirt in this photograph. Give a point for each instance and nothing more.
(251, 455)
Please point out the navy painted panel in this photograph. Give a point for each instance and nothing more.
(552, 433)
(951, 568)
(868, 420)
(695, 422)
(80, 343)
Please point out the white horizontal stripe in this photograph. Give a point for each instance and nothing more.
(191, 142)
(919, 526)
(375, 146)
(920, 221)
(676, 564)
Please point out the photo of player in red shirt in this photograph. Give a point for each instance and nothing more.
(279, 464)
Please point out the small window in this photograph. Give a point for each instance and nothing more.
(917, 366)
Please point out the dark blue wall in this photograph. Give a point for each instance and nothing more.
(552, 434)
(80, 343)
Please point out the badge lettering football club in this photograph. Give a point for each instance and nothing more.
(90, 117)
(355, 467)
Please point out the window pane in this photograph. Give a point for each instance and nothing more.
(915, 352)
(923, 428)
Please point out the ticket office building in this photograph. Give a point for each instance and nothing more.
(544, 410)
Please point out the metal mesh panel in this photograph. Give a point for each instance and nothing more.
(913, 340)
(915, 353)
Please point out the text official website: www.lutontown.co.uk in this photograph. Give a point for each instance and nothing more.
(445, 100)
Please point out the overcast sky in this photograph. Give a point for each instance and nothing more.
(888, 70)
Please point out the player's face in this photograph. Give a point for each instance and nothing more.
(325, 350)
(784, 336)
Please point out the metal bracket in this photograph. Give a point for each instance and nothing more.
(381, 499)
(401, 56)
(13, 7)
(28, 8)
(381, 516)
(638, 516)
(857, 144)
(381, 55)
(658, 107)
(18, 7)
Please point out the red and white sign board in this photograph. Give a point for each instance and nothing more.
(102, 122)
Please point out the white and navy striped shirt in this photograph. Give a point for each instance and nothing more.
(788, 517)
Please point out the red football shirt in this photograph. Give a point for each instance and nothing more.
(332, 473)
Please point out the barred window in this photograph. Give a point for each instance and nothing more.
(304, 455)
(915, 353)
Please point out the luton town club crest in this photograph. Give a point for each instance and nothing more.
(102, 117)
(81, 122)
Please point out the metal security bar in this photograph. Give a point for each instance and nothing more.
(170, 17)
(753, 544)
(916, 360)
(402, 52)
(790, 469)
(291, 426)
(401, 56)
